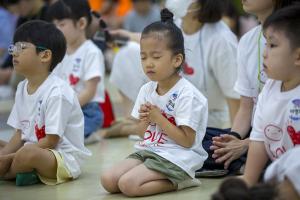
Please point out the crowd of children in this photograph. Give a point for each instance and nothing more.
(196, 75)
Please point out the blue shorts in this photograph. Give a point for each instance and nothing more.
(93, 118)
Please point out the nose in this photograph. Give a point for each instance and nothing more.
(149, 64)
(265, 53)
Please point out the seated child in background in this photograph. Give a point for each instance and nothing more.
(46, 114)
(276, 121)
(171, 115)
(83, 64)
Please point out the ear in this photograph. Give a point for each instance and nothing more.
(177, 60)
(297, 57)
(45, 56)
(82, 23)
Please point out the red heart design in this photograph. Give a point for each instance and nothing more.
(187, 69)
(73, 79)
(40, 132)
(170, 119)
(295, 136)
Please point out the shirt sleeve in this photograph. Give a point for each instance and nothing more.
(13, 119)
(243, 84)
(57, 115)
(257, 133)
(222, 62)
(287, 166)
(141, 99)
(94, 66)
(191, 111)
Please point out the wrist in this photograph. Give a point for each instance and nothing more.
(235, 134)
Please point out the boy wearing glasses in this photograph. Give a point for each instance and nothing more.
(48, 142)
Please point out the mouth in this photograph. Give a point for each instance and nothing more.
(150, 72)
(15, 62)
(265, 66)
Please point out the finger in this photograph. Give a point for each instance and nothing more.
(222, 151)
(213, 147)
(148, 105)
(217, 138)
(143, 115)
(228, 137)
(219, 144)
(227, 162)
(215, 156)
(224, 158)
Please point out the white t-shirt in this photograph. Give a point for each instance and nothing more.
(52, 109)
(211, 66)
(249, 83)
(287, 166)
(85, 63)
(277, 119)
(182, 105)
(127, 72)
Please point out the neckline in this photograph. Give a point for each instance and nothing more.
(169, 91)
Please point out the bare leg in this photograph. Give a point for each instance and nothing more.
(31, 157)
(2, 144)
(120, 129)
(111, 177)
(141, 181)
(5, 163)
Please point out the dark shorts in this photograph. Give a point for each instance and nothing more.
(157, 163)
(93, 118)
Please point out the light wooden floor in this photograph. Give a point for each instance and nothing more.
(88, 187)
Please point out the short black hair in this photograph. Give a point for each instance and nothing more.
(211, 11)
(174, 37)
(6, 3)
(287, 20)
(44, 34)
(236, 189)
(69, 9)
(283, 3)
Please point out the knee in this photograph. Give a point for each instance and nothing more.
(109, 181)
(26, 155)
(128, 186)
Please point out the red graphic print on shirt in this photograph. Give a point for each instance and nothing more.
(154, 138)
(187, 69)
(73, 79)
(295, 136)
(40, 132)
(170, 119)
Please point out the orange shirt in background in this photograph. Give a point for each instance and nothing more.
(122, 10)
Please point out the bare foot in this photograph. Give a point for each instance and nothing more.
(116, 130)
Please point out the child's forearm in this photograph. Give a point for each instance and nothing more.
(175, 133)
(89, 91)
(256, 161)
(13, 145)
(48, 142)
(141, 128)
(85, 97)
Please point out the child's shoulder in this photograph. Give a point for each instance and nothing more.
(188, 89)
(88, 47)
(59, 88)
(251, 36)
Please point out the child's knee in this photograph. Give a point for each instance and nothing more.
(128, 187)
(109, 181)
(26, 155)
